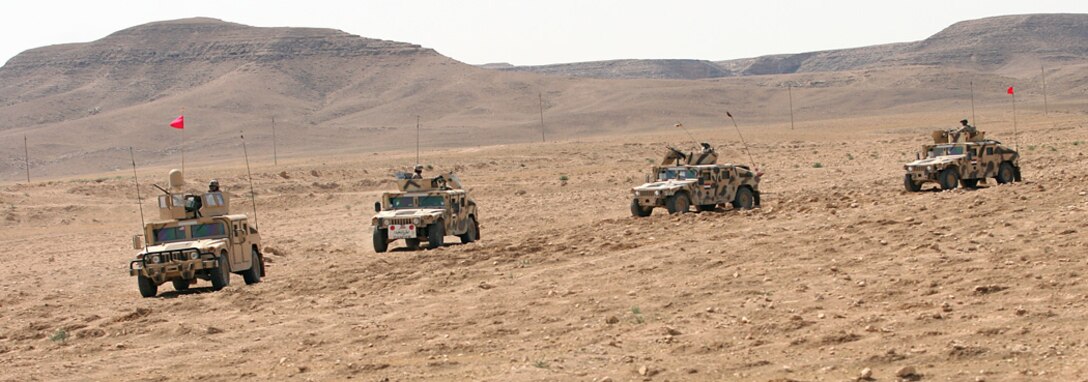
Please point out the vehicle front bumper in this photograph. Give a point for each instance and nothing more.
(171, 269)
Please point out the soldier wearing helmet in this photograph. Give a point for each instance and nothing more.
(213, 186)
(964, 128)
(419, 172)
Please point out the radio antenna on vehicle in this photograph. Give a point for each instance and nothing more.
(139, 200)
(252, 194)
(730, 115)
(693, 140)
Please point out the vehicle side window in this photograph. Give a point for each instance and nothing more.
(989, 151)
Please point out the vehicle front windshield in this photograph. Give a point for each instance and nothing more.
(401, 202)
(209, 230)
(676, 173)
(945, 150)
(163, 235)
(431, 202)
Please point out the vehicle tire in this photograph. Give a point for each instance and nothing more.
(705, 207)
(253, 274)
(910, 185)
(640, 211)
(470, 235)
(744, 200)
(181, 285)
(969, 183)
(949, 179)
(1005, 173)
(221, 275)
(381, 240)
(412, 244)
(148, 288)
(435, 234)
(678, 203)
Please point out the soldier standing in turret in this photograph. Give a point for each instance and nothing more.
(964, 128)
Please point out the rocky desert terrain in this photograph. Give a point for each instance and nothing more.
(840, 270)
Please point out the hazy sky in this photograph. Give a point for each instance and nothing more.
(543, 31)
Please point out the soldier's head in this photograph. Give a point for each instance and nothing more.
(213, 186)
(419, 169)
(963, 122)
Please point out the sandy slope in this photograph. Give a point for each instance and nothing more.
(839, 271)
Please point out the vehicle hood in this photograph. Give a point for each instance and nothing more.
(665, 185)
(410, 213)
(202, 245)
(943, 159)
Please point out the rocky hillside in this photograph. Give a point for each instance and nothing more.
(1004, 43)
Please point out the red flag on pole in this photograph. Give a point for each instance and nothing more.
(1010, 90)
(179, 123)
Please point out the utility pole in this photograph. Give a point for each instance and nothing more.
(275, 159)
(790, 90)
(26, 153)
(1046, 106)
(540, 97)
(417, 139)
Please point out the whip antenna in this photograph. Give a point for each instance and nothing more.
(139, 200)
(252, 194)
(730, 115)
(681, 126)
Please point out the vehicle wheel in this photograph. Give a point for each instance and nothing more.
(381, 240)
(949, 179)
(705, 207)
(744, 199)
(470, 235)
(148, 288)
(1005, 173)
(412, 244)
(435, 234)
(181, 285)
(253, 274)
(969, 183)
(640, 211)
(221, 274)
(910, 185)
(678, 203)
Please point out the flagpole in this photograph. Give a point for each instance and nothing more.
(183, 143)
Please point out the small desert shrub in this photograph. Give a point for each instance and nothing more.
(817, 165)
(60, 335)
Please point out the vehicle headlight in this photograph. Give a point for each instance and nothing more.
(929, 168)
(155, 259)
(415, 221)
(657, 193)
(193, 255)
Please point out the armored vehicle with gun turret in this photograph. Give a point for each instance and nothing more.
(684, 179)
(195, 238)
(951, 162)
(425, 209)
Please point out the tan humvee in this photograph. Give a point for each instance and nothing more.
(195, 237)
(686, 179)
(968, 161)
(425, 209)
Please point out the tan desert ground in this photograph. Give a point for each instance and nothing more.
(840, 271)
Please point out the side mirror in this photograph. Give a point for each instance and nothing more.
(377, 206)
(138, 242)
(970, 154)
(456, 208)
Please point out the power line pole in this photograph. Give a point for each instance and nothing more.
(417, 139)
(1046, 106)
(790, 90)
(275, 159)
(540, 97)
(26, 153)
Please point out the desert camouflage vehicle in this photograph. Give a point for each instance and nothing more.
(425, 209)
(195, 237)
(950, 163)
(686, 179)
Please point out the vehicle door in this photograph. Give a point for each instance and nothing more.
(974, 168)
(239, 253)
(989, 160)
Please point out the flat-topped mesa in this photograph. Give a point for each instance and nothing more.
(443, 182)
(674, 156)
(176, 204)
